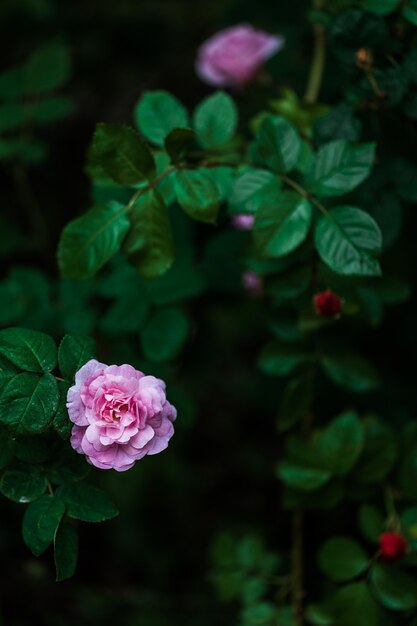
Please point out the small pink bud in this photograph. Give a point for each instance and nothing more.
(243, 221)
(252, 283)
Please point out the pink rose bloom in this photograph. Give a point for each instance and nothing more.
(252, 283)
(243, 221)
(233, 56)
(120, 415)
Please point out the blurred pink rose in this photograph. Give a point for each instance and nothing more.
(252, 283)
(233, 56)
(243, 221)
(120, 415)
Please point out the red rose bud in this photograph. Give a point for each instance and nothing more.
(327, 304)
(392, 546)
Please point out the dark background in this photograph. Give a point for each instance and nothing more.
(151, 566)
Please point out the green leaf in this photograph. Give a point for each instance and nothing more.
(65, 551)
(121, 153)
(62, 423)
(215, 120)
(295, 403)
(46, 69)
(252, 189)
(387, 212)
(259, 615)
(291, 284)
(32, 449)
(408, 472)
(339, 123)
(89, 241)
(371, 522)
(380, 7)
(24, 483)
(223, 178)
(277, 144)
(40, 523)
(410, 11)
(409, 521)
(347, 240)
(68, 467)
(321, 499)
(6, 449)
(342, 558)
(157, 113)
(339, 167)
(379, 453)
(302, 478)
(126, 315)
(164, 335)
(15, 115)
(278, 359)
(149, 245)
(51, 109)
(282, 226)
(353, 605)
(178, 143)
(339, 445)
(395, 589)
(86, 503)
(197, 195)
(12, 299)
(28, 349)
(28, 402)
(351, 371)
(318, 615)
(74, 351)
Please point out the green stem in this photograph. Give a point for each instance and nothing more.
(393, 521)
(317, 67)
(305, 194)
(151, 185)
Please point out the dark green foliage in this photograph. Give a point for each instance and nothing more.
(261, 378)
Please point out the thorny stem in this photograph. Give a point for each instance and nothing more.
(50, 489)
(319, 59)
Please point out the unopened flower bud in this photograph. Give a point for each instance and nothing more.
(327, 304)
(364, 59)
(392, 546)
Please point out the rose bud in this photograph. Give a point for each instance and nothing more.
(327, 304)
(392, 546)
(119, 415)
(232, 57)
(243, 221)
(252, 283)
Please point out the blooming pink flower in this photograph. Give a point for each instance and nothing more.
(243, 221)
(119, 415)
(252, 283)
(233, 56)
